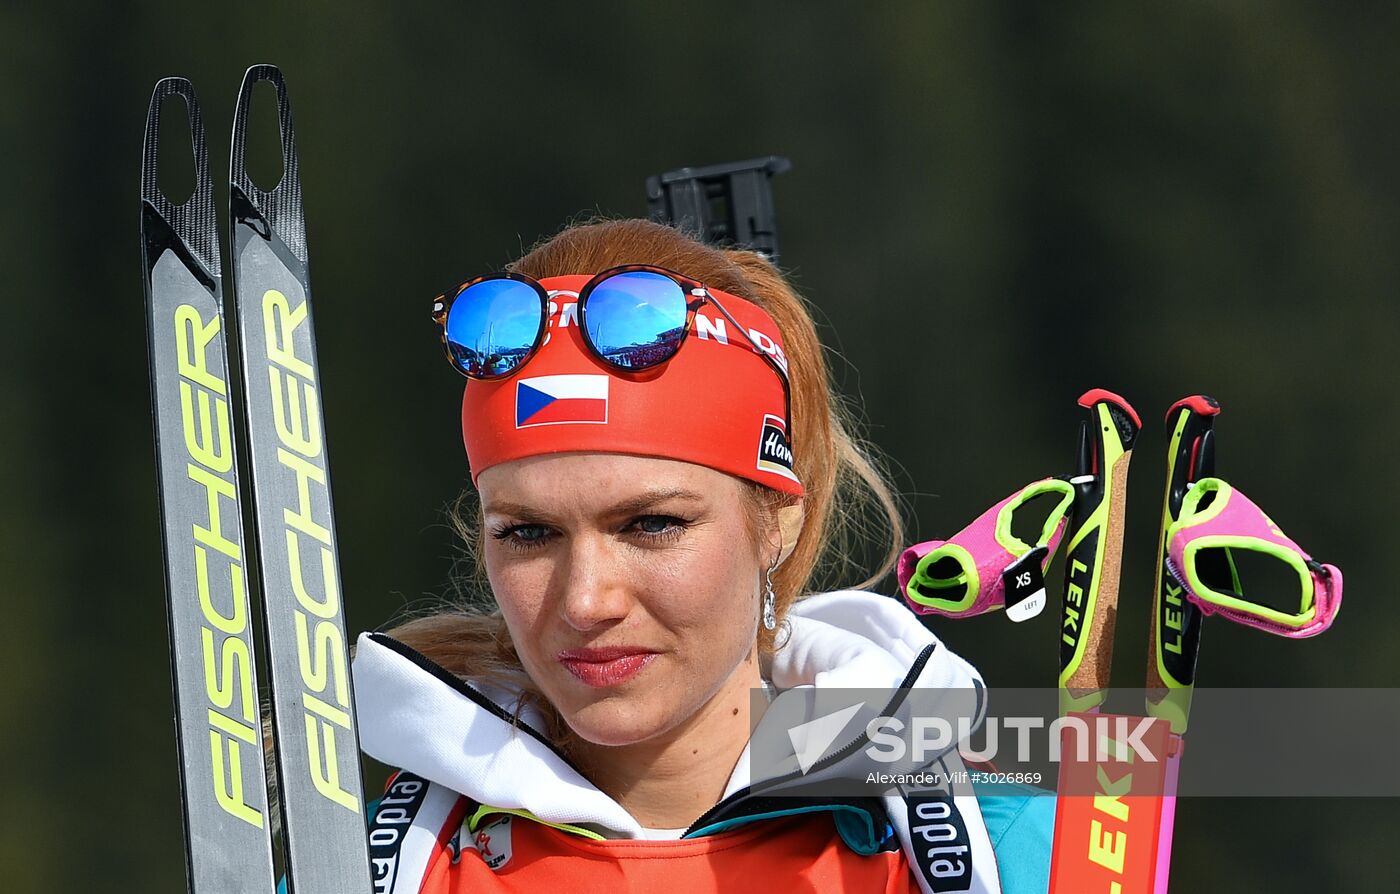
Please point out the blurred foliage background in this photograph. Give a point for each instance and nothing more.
(994, 206)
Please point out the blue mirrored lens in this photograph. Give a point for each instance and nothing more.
(492, 326)
(636, 320)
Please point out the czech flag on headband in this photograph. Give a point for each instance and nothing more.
(551, 400)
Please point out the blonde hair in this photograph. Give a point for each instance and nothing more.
(847, 494)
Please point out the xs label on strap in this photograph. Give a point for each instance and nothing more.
(984, 567)
(1216, 518)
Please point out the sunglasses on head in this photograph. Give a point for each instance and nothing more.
(632, 318)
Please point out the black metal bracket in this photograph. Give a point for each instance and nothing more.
(729, 204)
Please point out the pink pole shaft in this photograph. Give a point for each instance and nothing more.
(1164, 834)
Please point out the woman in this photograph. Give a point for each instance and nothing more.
(661, 467)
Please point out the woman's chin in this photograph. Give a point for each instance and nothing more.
(614, 723)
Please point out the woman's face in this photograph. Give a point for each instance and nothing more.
(630, 586)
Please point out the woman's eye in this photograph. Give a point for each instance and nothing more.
(659, 525)
(522, 536)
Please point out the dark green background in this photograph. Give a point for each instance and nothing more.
(994, 208)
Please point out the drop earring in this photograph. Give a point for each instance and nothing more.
(770, 599)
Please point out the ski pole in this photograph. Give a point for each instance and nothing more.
(1106, 815)
(1207, 523)
(1175, 632)
(1094, 558)
(1175, 629)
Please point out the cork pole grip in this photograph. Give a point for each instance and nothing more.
(1093, 670)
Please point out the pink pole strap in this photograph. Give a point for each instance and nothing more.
(963, 576)
(1232, 522)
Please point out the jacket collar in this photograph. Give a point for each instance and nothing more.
(416, 715)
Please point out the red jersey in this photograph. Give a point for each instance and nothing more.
(797, 853)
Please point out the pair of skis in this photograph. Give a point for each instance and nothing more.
(210, 565)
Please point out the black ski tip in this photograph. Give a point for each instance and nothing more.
(238, 171)
(192, 222)
(150, 155)
(278, 210)
(263, 71)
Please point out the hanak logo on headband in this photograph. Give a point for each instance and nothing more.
(774, 454)
(555, 400)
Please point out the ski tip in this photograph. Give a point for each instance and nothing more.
(263, 71)
(1200, 404)
(238, 171)
(276, 210)
(172, 84)
(192, 221)
(150, 154)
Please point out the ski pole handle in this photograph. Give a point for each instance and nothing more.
(1094, 558)
(1174, 637)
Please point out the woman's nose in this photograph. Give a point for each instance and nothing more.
(592, 591)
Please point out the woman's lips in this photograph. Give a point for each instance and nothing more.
(605, 667)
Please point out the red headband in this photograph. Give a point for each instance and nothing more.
(716, 403)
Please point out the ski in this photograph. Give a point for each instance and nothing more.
(222, 772)
(318, 763)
